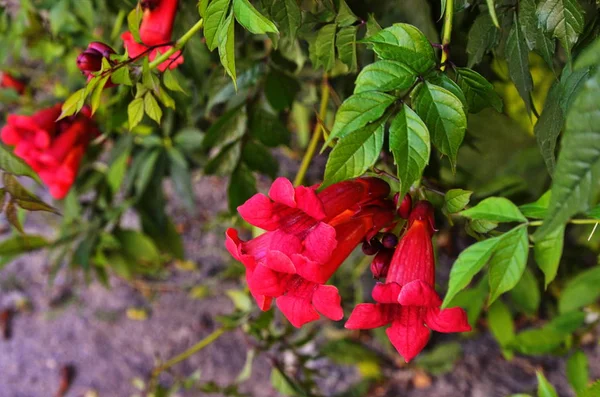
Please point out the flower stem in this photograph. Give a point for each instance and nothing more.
(187, 354)
(447, 33)
(314, 141)
(178, 44)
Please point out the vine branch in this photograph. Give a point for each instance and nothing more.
(447, 33)
(178, 44)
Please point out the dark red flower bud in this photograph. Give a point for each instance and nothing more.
(89, 61)
(405, 207)
(105, 50)
(381, 263)
(389, 240)
(371, 247)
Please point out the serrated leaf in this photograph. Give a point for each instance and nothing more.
(528, 22)
(242, 186)
(325, 47)
(509, 261)
(287, 15)
(410, 146)
(346, 46)
(152, 108)
(545, 389)
(496, 209)
(384, 76)
(442, 80)
(456, 199)
(15, 165)
(345, 16)
(12, 217)
(251, 19)
(202, 6)
(444, 116)
(479, 92)
(372, 26)
(548, 251)
(216, 14)
(483, 36)
(72, 104)
(578, 372)
(481, 226)
(548, 127)
(578, 167)
(563, 19)
(135, 112)
(571, 82)
(97, 93)
(580, 291)
(404, 43)
(467, 265)
(226, 38)
(354, 153)
(357, 111)
(517, 57)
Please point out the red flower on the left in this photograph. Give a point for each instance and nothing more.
(53, 149)
(8, 81)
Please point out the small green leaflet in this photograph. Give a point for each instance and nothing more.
(404, 43)
(526, 294)
(548, 251)
(442, 80)
(563, 19)
(152, 108)
(517, 57)
(226, 38)
(496, 209)
(325, 47)
(581, 291)
(384, 76)
(409, 143)
(73, 104)
(216, 13)
(548, 127)
(456, 199)
(13, 164)
(346, 46)
(444, 115)
(287, 15)
(545, 389)
(357, 111)
(355, 153)
(509, 261)
(482, 37)
(538, 208)
(501, 325)
(578, 372)
(345, 16)
(251, 19)
(479, 92)
(135, 112)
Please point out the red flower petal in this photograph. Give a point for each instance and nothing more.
(320, 243)
(296, 309)
(386, 292)
(447, 320)
(258, 211)
(282, 191)
(418, 293)
(265, 281)
(263, 302)
(327, 301)
(280, 262)
(369, 315)
(308, 201)
(408, 335)
(233, 243)
(284, 242)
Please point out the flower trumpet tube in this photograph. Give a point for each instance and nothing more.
(407, 300)
(155, 33)
(308, 236)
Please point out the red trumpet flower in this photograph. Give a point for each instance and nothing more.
(7, 81)
(53, 149)
(308, 236)
(407, 300)
(155, 33)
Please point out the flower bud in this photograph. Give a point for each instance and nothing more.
(105, 50)
(381, 263)
(371, 247)
(389, 240)
(405, 207)
(89, 61)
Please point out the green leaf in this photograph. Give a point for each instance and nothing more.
(384, 76)
(592, 391)
(345, 16)
(134, 19)
(467, 265)
(444, 116)
(13, 217)
(23, 197)
(182, 178)
(528, 22)
(354, 153)
(121, 76)
(509, 261)
(171, 82)
(97, 93)
(548, 251)
(225, 162)
(492, 11)
(258, 158)
(138, 248)
(152, 108)
(118, 166)
(483, 36)
(135, 112)
(216, 14)
(251, 19)
(456, 199)
(409, 143)
(580, 291)
(482, 226)
(268, 129)
(590, 56)
(242, 186)
(146, 170)
(346, 46)
(229, 128)
(287, 15)
(13, 164)
(545, 389)
(517, 57)
(202, 6)
(72, 104)
(372, 26)
(537, 341)
(283, 384)
(19, 244)
(578, 167)
(501, 323)
(548, 127)
(325, 47)
(404, 43)
(479, 92)
(226, 38)
(526, 294)
(281, 89)
(571, 82)
(497, 209)
(578, 372)
(357, 111)
(538, 208)
(189, 139)
(563, 19)
(439, 360)
(442, 80)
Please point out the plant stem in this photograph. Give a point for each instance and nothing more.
(188, 353)
(572, 221)
(314, 141)
(178, 44)
(447, 34)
